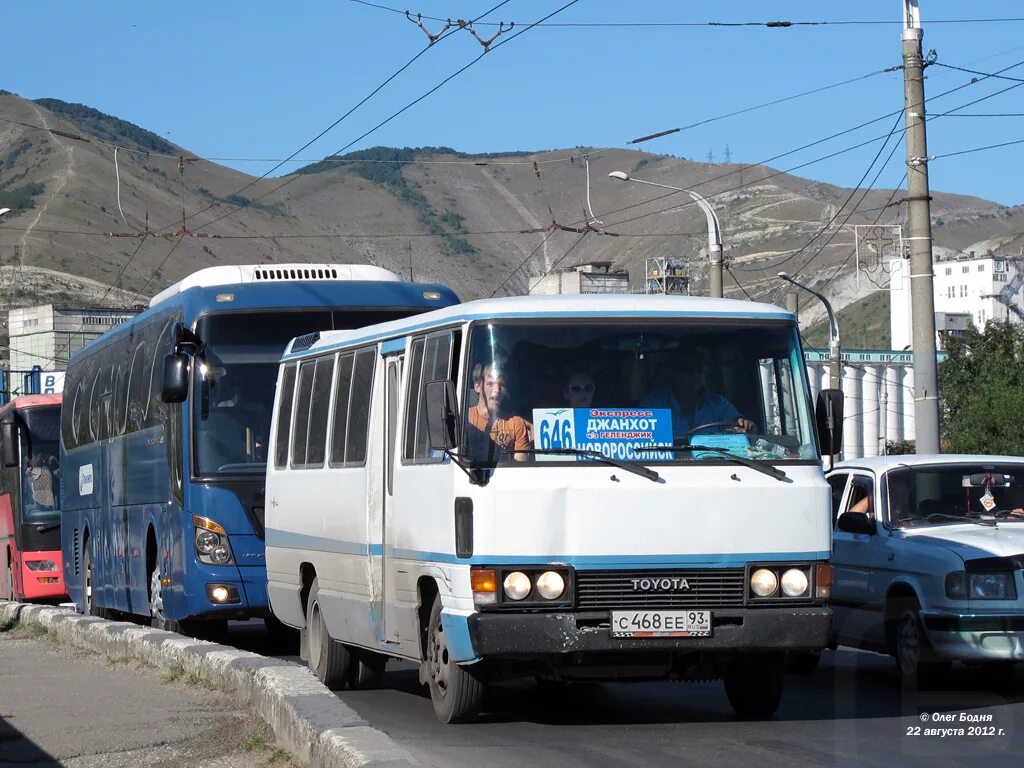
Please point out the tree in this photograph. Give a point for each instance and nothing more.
(982, 387)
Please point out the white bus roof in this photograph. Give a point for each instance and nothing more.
(580, 305)
(279, 273)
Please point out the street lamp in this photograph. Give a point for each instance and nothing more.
(834, 353)
(714, 230)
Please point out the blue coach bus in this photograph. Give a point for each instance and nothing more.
(164, 435)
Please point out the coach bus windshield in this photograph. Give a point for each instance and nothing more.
(41, 465)
(233, 389)
(704, 392)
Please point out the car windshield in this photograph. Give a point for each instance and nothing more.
(624, 387)
(233, 392)
(41, 465)
(955, 493)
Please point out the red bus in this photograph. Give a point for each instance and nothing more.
(30, 556)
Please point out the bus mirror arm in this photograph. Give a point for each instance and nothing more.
(9, 443)
(828, 416)
(477, 475)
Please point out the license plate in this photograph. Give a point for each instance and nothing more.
(693, 623)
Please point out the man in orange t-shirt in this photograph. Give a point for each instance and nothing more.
(507, 433)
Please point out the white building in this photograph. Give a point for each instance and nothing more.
(983, 288)
(47, 336)
(592, 277)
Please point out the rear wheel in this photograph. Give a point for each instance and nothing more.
(755, 688)
(89, 607)
(10, 581)
(328, 659)
(454, 690)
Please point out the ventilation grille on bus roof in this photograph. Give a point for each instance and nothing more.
(295, 273)
(305, 341)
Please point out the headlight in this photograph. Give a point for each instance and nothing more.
(550, 585)
(795, 582)
(980, 586)
(221, 555)
(764, 582)
(41, 565)
(206, 541)
(517, 585)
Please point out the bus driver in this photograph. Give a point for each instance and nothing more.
(492, 429)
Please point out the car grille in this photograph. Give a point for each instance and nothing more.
(708, 588)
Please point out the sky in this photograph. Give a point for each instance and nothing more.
(246, 81)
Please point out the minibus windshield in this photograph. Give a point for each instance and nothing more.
(626, 387)
(233, 391)
(41, 465)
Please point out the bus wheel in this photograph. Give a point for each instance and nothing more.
(10, 581)
(329, 660)
(367, 669)
(89, 607)
(454, 691)
(157, 618)
(754, 688)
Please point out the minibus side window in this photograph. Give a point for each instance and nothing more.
(301, 426)
(359, 406)
(284, 417)
(342, 395)
(412, 398)
(316, 444)
(436, 363)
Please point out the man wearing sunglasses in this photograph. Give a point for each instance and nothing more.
(579, 390)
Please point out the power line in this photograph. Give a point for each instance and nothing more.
(976, 149)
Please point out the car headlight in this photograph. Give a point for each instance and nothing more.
(41, 565)
(517, 585)
(764, 582)
(980, 586)
(206, 541)
(550, 585)
(795, 582)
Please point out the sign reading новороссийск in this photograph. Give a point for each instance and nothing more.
(613, 432)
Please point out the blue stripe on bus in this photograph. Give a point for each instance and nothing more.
(412, 329)
(289, 540)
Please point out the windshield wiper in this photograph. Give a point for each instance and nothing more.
(636, 469)
(935, 516)
(758, 466)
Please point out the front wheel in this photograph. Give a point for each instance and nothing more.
(755, 688)
(10, 583)
(157, 616)
(89, 607)
(912, 651)
(454, 691)
(802, 662)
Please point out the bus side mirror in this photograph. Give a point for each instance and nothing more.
(9, 443)
(828, 415)
(442, 423)
(175, 385)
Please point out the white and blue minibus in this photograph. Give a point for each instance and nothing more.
(165, 429)
(565, 487)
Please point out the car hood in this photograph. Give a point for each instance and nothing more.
(971, 541)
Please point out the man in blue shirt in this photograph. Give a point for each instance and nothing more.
(691, 402)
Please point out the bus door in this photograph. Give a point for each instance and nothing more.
(382, 487)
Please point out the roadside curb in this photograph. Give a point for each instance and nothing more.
(307, 719)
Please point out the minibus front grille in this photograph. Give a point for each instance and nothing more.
(703, 588)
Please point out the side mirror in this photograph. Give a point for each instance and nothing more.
(442, 407)
(828, 416)
(857, 522)
(9, 443)
(175, 384)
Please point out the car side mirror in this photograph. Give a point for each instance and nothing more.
(828, 417)
(175, 383)
(9, 443)
(442, 407)
(857, 522)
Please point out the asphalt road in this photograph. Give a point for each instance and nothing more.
(64, 707)
(852, 712)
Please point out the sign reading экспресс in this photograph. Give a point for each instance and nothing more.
(613, 432)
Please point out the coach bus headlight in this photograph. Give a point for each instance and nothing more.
(41, 565)
(211, 542)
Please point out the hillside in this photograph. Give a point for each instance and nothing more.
(431, 212)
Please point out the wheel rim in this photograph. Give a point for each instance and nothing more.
(156, 595)
(440, 661)
(908, 645)
(87, 587)
(315, 636)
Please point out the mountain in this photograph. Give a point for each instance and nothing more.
(434, 213)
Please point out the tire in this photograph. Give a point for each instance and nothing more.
(755, 688)
(802, 662)
(10, 582)
(917, 669)
(328, 659)
(366, 670)
(454, 691)
(157, 617)
(89, 607)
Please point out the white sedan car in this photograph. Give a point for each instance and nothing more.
(928, 557)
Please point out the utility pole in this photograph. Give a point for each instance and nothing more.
(793, 302)
(919, 225)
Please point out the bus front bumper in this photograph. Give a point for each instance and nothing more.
(523, 636)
